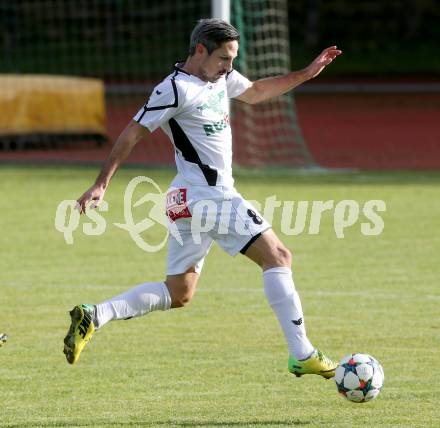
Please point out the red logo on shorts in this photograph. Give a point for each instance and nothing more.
(176, 205)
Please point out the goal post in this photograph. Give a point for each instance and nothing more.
(221, 9)
(266, 134)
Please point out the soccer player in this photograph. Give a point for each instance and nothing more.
(191, 106)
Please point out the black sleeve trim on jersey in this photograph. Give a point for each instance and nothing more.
(251, 241)
(175, 104)
(181, 141)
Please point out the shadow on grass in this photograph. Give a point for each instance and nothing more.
(275, 423)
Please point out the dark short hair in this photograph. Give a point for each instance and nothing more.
(212, 33)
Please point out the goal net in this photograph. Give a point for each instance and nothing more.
(129, 46)
(267, 134)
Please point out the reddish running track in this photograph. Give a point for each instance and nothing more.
(377, 131)
(365, 131)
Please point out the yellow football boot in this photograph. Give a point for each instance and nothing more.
(80, 332)
(317, 364)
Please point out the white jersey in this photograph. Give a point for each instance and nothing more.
(195, 116)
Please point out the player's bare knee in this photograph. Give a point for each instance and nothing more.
(181, 289)
(285, 256)
(181, 300)
(279, 256)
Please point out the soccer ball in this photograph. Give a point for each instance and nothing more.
(3, 338)
(359, 378)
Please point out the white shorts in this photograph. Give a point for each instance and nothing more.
(199, 215)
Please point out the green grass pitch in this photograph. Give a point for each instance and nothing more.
(221, 361)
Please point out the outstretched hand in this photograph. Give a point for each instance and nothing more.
(322, 60)
(94, 194)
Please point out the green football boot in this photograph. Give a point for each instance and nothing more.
(80, 332)
(317, 364)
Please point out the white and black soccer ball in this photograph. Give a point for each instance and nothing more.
(3, 338)
(359, 378)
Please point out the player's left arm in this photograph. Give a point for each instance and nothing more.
(270, 87)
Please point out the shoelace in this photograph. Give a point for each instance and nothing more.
(325, 359)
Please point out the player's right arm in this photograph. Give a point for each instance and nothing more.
(164, 102)
(129, 137)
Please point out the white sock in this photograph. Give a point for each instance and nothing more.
(140, 300)
(284, 299)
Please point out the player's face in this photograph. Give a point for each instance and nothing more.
(216, 65)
